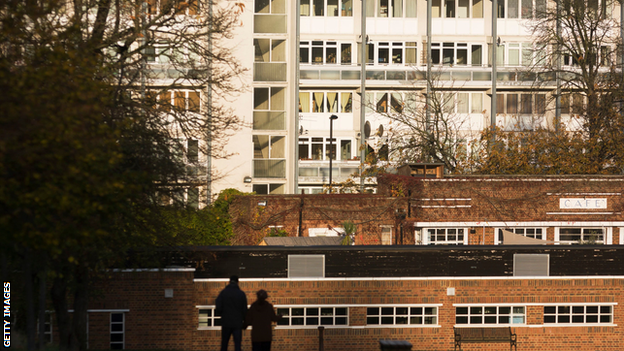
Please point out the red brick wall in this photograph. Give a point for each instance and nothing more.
(478, 291)
(483, 199)
(369, 212)
(156, 322)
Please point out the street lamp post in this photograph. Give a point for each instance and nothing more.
(332, 118)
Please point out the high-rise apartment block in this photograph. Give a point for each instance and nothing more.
(305, 66)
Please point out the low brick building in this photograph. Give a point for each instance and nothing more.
(453, 267)
(553, 297)
(448, 211)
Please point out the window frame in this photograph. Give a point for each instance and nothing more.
(287, 319)
(310, 142)
(215, 321)
(603, 241)
(382, 312)
(116, 332)
(560, 313)
(341, 11)
(499, 238)
(427, 236)
(376, 10)
(473, 315)
(441, 47)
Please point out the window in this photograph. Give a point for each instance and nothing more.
(117, 321)
(403, 315)
(270, 6)
(208, 317)
(180, 100)
(325, 52)
(581, 235)
(461, 54)
(313, 316)
(330, 8)
(269, 156)
(391, 53)
(457, 8)
(490, 315)
(263, 189)
(578, 314)
(269, 113)
(181, 7)
(158, 53)
(386, 235)
(391, 8)
(518, 103)
(321, 102)
(270, 50)
(270, 16)
(47, 327)
(269, 58)
(535, 233)
(192, 198)
(318, 148)
(446, 236)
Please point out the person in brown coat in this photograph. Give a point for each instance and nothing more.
(259, 316)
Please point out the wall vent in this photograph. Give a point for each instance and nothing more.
(533, 265)
(306, 266)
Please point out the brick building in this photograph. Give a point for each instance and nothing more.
(455, 269)
(553, 297)
(449, 210)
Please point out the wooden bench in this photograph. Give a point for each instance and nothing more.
(483, 335)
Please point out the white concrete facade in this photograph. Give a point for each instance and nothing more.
(264, 150)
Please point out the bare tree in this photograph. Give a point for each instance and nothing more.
(444, 135)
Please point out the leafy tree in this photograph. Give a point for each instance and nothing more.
(574, 42)
(90, 135)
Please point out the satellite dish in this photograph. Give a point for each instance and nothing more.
(367, 130)
(380, 130)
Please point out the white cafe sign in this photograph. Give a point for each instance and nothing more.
(582, 203)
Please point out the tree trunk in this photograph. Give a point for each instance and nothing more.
(59, 300)
(80, 309)
(42, 309)
(30, 302)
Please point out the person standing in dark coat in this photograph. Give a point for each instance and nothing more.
(260, 316)
(231, 305)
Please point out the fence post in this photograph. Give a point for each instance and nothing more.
(321, 345)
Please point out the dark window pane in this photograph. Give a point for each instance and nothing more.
(549, 319)
(387, 311)
(341, 321)
(116, 317)
(372, 320)
(475, 320)
(327, 321)
(387, 320)
(312, 311)
(401, 311)
(312, 321)
(341, 311)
